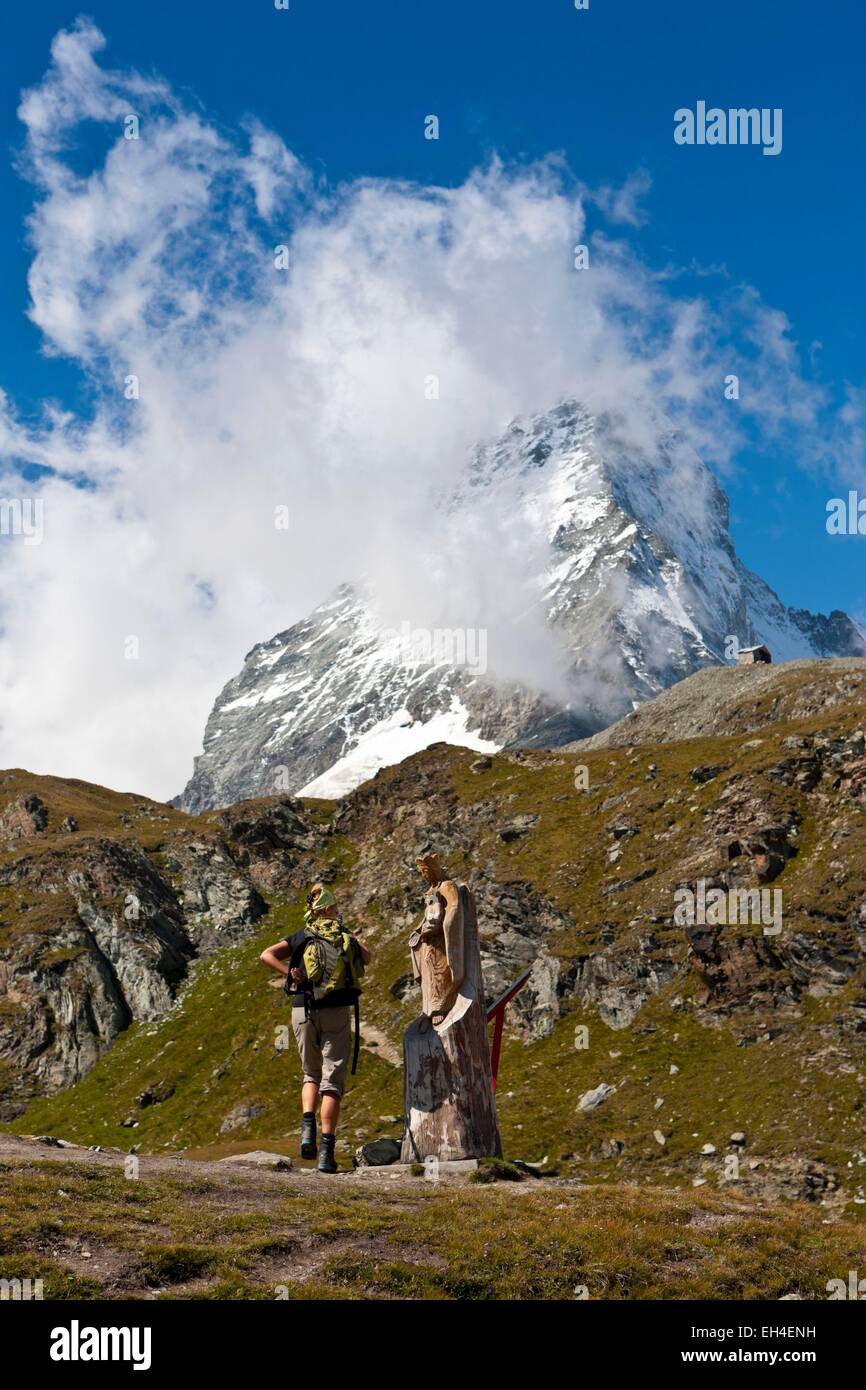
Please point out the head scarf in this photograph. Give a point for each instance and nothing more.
(319, 897)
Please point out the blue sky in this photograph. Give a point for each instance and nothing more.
(770, 246)
(346, 85)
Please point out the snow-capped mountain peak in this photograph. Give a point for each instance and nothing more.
(639, 586)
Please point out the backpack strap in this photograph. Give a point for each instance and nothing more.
(296, 962)
(357, 1037)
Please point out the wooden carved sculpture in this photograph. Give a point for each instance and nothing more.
(450, 1108)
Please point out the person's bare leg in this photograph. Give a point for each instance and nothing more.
(330, 1112)
(309, 1096)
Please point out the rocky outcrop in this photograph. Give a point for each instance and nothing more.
(777, 1179)
(115, 950)
(618, 985)
(99, 933)
(239, 1117)
(219, 901)
(270, 839)
(516, 926)
(22, 819)
(757, 972)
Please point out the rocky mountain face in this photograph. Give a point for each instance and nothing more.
(642, 1047)
(640, 587)
(99, 928)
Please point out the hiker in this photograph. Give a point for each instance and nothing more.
(322, 965)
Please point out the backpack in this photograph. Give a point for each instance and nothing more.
(331, 961)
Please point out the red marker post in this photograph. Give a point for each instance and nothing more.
(497, 1013)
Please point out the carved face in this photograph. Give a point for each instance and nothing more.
(430, 870)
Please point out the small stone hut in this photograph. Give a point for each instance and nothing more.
(752, 656)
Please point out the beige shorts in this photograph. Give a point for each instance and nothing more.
(324, 1042)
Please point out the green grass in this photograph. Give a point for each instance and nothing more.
(178, 1236)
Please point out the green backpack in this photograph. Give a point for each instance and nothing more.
(331, 961)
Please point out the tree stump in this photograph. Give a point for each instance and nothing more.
(450, 1111)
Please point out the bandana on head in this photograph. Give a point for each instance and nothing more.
(320, 897)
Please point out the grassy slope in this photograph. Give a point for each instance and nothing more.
(786, 1103)
(784, 1094)
(98, 812)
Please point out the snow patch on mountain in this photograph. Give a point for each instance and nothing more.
(390, 741)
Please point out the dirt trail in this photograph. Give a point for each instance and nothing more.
(232, 1174)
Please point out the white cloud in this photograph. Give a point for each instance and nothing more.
(274, 173)
(622, 204)
(304, 388)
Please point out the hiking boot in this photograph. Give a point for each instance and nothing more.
(308, 1135)
(327, 1162)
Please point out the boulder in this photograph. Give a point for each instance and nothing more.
(590, 1100)
(241, 1115)
(521, 825)
(155, 1094)
(261, 1158)
(707, 774)
(378, 1153)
